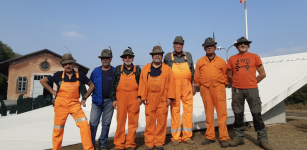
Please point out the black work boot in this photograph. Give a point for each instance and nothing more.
(160, 147)
(149, 148)
(224, 144)
(207, 141)
(236, 141)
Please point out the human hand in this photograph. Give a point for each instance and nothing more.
(114, 104)
(145, 102)
(169, 102)
(83, 103)
(53, 92)
(139, 100)
(194, 89)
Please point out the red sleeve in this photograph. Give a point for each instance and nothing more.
(258, 61)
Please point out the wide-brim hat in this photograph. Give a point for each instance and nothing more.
(127, 52)
(178, 39)
(157, 50)
(209, 41)
(66, 59)
(106, 53)
(242, 40)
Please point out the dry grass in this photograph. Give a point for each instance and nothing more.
(297, 107)
(291, 135)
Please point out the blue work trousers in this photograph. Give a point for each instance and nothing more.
(105, 112)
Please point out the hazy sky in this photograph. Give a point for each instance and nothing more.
(87, 27)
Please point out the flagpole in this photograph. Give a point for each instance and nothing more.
(246, 30)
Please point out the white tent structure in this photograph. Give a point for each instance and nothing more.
(285, 74)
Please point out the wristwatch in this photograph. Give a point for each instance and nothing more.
(83, 98)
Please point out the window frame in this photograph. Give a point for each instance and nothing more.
(25, 83)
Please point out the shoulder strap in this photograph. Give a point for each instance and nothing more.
(185, 56)
(121, 69)
(172, 55)
(63, 75)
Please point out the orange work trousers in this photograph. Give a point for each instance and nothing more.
(126, 102)
(185, 94)
(63, 107)
(215, 97)
(156, 120)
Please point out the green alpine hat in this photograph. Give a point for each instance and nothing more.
(66, 59)
(209, 41)
(178, 39)
(242, 40)
(157, 50)
(106, 53)
(127, 52)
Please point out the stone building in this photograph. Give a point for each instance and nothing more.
(23, 73)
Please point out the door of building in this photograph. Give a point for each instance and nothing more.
(38, 89)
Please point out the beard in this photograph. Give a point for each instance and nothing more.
(157, 60)
(128, 62)
(105, 63)
(243, 48)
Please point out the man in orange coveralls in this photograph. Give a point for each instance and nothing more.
(156, 89)
(67, 101)
(211, 77)
(124, 93)
(182, 65)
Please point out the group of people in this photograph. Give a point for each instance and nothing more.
(160, 85)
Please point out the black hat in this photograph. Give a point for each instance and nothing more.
(127, 52)
(242, 40)
(209, 41)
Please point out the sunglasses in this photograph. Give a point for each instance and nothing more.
(127, 57)
(245, 43)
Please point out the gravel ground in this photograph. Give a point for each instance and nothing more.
(289, 136)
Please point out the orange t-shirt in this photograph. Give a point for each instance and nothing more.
(244, 70)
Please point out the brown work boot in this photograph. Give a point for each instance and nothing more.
(207, 141)
(266, 146)
(224, 144)
(175, 143)
(236, 141)
(130, 148)
(189, 141)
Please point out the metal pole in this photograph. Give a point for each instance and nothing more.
(246, 30)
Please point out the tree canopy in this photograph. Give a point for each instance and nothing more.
(6, 53)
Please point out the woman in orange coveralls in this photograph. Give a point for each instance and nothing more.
(67, 102)
(156, 88)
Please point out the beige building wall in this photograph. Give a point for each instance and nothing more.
(29, 67)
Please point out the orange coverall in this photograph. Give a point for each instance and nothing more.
(211, 77)
(182, 76)
(126, 95)
(67, 102)
(156, 90)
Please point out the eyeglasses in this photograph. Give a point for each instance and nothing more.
(127, 57)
